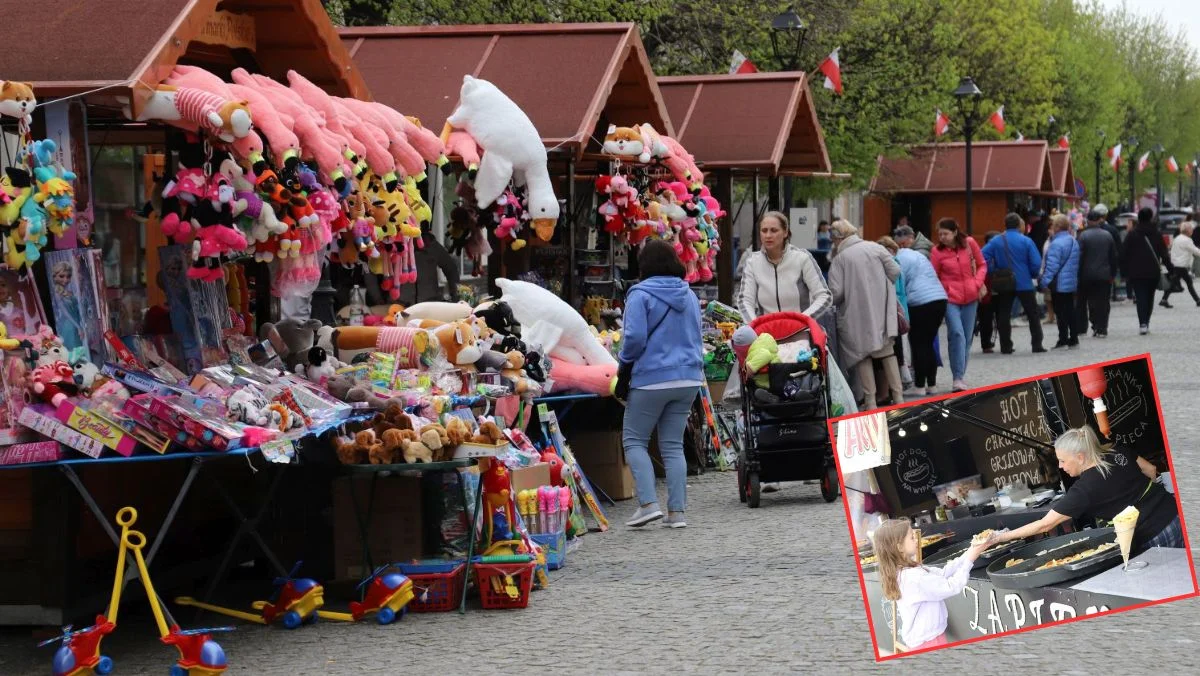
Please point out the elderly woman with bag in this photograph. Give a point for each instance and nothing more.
(862, 279)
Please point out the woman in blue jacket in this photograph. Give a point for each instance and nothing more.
(662, 368)
(926, 309)
(1061, 277)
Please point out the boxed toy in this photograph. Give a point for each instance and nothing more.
(96, 427)
(77, 297)
(41, 418)
(37, 451)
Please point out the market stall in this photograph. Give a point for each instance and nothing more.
(258, 178)
(746, 127)
(926, 184)
(985, 462)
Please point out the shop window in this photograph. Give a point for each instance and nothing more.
(119, 189)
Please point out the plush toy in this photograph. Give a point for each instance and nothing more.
(512, 150)
(444, 312)
(458, 343)
(549, 321)
(17, 100)
(416, 451)
(226, 120)
(52, 379)
(395, 445)
(248, 407)
(556, 467)
(462, 144)
(489, 433)
(320, 367)
(391, 418)
(358, 451)
(457, 431)
(625, 142)
(412, 347)
(407, 159)
(596, 379)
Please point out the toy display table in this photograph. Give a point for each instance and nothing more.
(376, 471)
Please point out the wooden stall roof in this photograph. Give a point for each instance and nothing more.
(760, 121)
(568, 78)
(119, 43)
(1061, 173)
(997, 166)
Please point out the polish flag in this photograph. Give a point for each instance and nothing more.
(941, 125)
(1189, 167)
(1144, 161)
(998, 120)
(1172, 165)
(832, 69)
(1064, 141)
(1114, 156)
(741, 65)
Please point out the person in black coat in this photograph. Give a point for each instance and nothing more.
(1097, 270)
(1141, 258)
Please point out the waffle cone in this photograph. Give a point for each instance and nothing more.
(1125, 538)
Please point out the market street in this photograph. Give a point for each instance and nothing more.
(771, 590)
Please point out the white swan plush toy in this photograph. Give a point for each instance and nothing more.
(512, 149)
(549, 321)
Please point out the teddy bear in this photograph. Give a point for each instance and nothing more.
(457, 430)
(435, 437)
(489, 434)
(395, 444)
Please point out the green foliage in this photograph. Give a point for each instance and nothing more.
(1092, 68)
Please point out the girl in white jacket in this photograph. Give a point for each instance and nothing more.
(920, 592)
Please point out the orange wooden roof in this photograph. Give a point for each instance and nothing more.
(759, 121)
(997, 166)
(572, 80)
(118, 42)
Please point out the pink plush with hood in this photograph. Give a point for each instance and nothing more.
(284, 142)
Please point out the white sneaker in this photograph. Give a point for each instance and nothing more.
(1144, 329)
(959, 386)
(645, 515)
(674, 522)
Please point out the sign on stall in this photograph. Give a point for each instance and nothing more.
(863, 443)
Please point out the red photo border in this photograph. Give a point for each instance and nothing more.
(928, 400)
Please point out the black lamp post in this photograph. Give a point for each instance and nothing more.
(1133, 158)
(1196, 182)
(1099, 149)
(968, 96)
(1158, 200)
(787, 39)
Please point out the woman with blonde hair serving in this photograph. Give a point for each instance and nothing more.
(862, 278)
(1107, 480)
(920, 592)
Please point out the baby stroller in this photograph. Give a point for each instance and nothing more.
(786, 436)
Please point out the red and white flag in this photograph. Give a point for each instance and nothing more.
(1114, 156)
(741, 65)
(998, 120)
(832, 69)
(941, 125)
(1144, 161)
(1172, 165)
(1189, 168)
(1064, 141)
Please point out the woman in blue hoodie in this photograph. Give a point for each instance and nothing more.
(662, 365)
(1061, 278)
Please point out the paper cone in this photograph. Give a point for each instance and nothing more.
(1124, 524)
(1125, 539)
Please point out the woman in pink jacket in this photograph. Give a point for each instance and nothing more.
(959, 263)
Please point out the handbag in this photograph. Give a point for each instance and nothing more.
(901, 320)
(625, 368)
(1164, 280)
(1003, 280)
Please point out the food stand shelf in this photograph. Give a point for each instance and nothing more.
(1167, 576)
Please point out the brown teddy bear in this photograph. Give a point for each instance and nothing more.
(436, 440)
(457, 430)
(489, 434)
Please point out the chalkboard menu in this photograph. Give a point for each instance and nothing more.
(1133, 408)
(1000, 459)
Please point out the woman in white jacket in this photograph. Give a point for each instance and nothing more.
(920, 592)
(780, 277)
(1183, 253)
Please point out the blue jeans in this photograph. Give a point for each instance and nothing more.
(668, 411)
(960, 326)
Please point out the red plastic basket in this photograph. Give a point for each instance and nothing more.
(437, 592)
(498, 599)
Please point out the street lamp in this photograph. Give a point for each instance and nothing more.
(1158, 200)
(1099, 148)
(968, 96)
(1196, 183)
(787, 39)
(1133, 148)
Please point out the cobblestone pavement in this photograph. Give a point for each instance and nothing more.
(772, 590)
